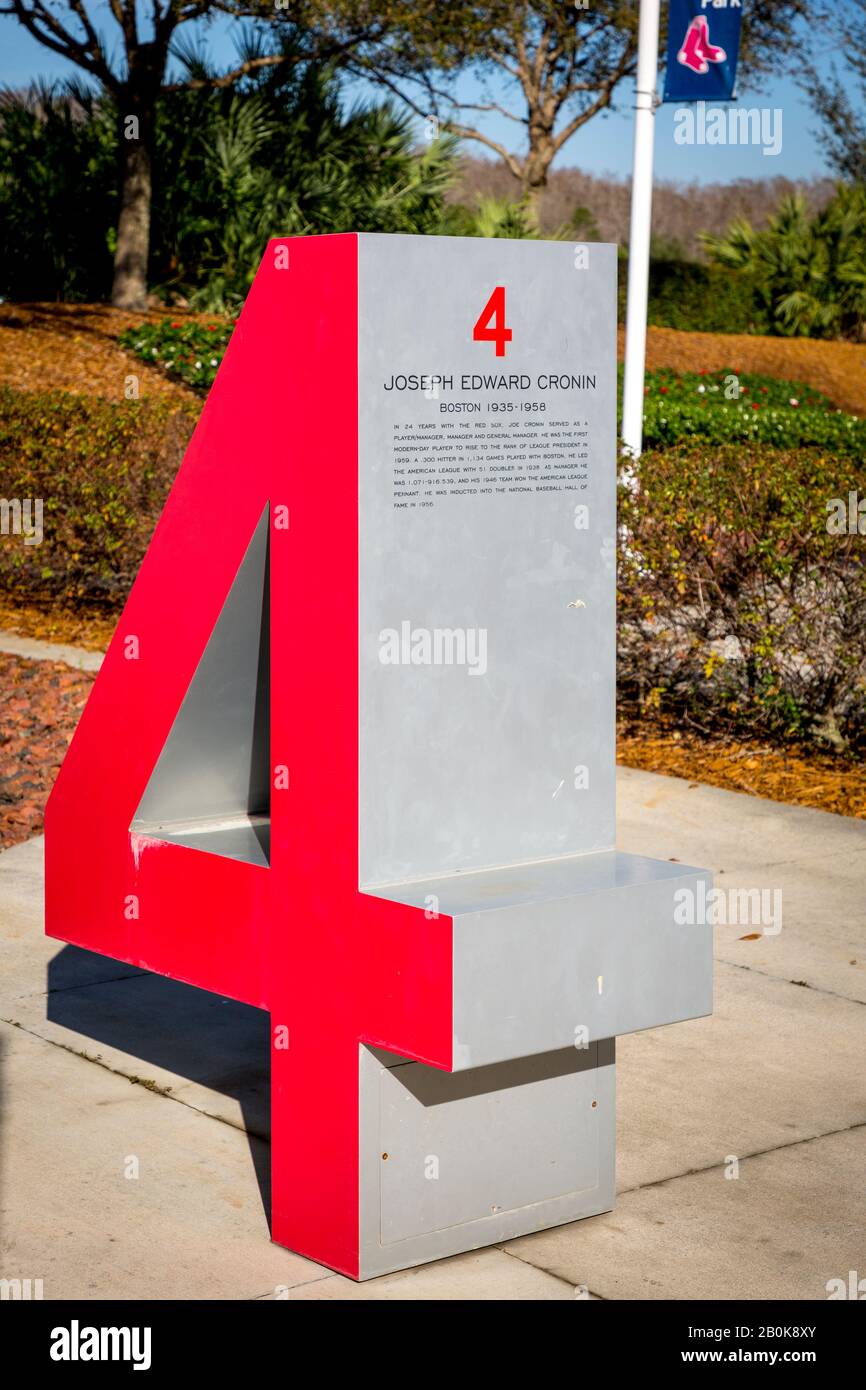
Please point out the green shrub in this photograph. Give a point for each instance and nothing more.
(703, 299)
(282, 156)
(808, 269)
(786, 414)
(492, 217)
(697, 298)
(188, 352)
(58, 195)
(281, 153)
(103, 471)
(738, 609)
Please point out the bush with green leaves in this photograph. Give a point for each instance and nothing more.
(724, 407)
(281, 157)
(187, 351)
(699, 298)
(491, 217)
(516, 220)
(808, 270)
(102, 471)
(738, 609)
(696, 298)
(281, 154)
(58, 198)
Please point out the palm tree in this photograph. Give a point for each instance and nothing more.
(808, 271)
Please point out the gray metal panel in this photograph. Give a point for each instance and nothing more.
(214, 765)
(533, 941)
(483, 1156)
(526, 977)
(539, 882)
(457, 770)
(247, 838)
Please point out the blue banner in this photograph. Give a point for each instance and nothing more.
(703, 47)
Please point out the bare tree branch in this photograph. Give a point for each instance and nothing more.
(41, 23)
(467, 133)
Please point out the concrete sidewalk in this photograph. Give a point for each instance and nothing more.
(134, 1109)
(34, 649)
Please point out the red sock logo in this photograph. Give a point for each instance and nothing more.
(697, 52)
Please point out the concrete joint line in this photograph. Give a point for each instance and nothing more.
(543, 1269)
(743, 1158)
(152, 1087)
(300, 1284)
(89, 984)
(798, 984)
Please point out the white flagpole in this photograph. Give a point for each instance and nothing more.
(641, 228)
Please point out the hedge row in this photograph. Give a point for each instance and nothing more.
(102, 471)
(697, 298)
(739, 608)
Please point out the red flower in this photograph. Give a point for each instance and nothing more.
(765, 389)
(755, 405)
(664, 390)
(176, 325)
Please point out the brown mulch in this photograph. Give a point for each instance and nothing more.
(56, 625)
(40, 704)
(836, 369)
(796, 776)
(73, 347)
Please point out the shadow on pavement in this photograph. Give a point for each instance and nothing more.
(198, 1036)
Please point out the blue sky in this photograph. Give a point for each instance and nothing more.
(604, 146)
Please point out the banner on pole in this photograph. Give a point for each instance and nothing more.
(703, 47)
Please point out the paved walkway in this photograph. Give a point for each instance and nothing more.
(37, 650)
(134, 1131)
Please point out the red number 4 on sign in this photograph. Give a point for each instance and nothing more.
(490, 327)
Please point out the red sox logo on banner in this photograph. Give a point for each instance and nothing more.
(697, 52)
(703, 47)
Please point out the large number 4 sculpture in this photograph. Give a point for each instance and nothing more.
(205, 824)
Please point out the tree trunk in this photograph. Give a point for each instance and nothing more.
(129, 289)
(535, 167)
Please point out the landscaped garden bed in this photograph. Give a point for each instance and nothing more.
(742, 620)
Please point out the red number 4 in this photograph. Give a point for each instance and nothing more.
(490, 327)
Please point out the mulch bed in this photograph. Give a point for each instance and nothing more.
(73, 347)
(797, 776)
(40, 704)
